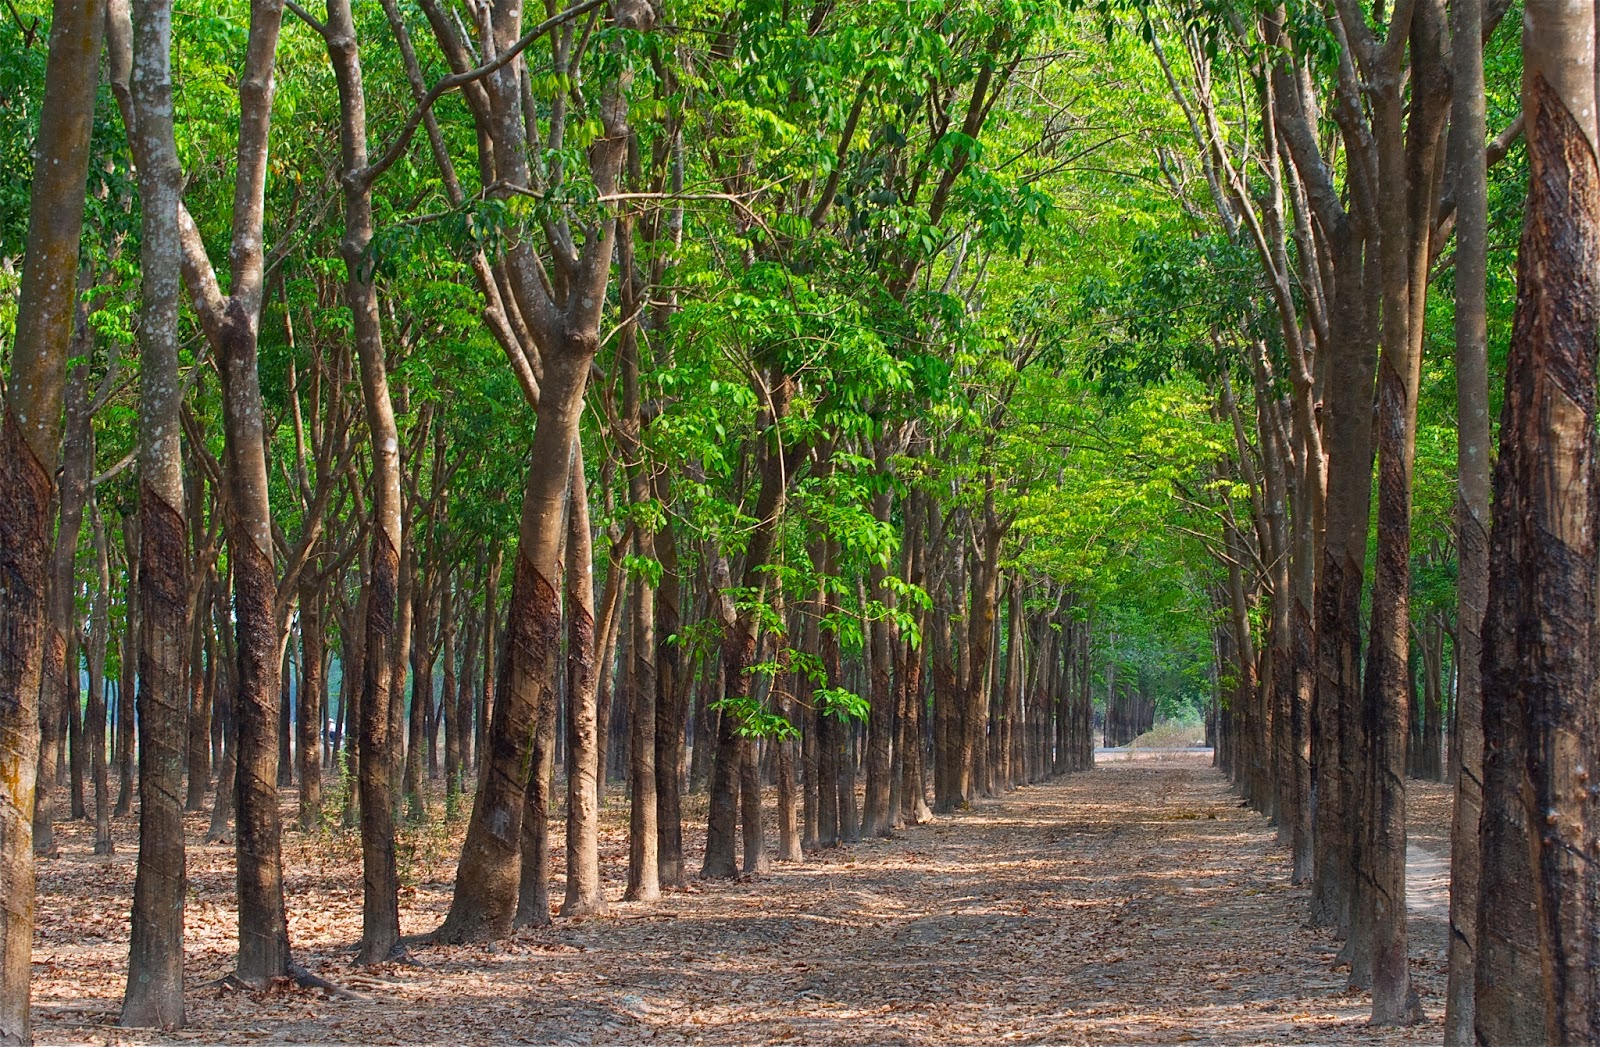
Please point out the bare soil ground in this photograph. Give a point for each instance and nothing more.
(1137, 903)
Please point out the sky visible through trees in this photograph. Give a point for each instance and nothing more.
(478, 474)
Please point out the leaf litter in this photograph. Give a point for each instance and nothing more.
(1134, 904)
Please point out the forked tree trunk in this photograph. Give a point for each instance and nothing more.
(1538, 959)
(489, 872)
(231, 324)
(567, 332)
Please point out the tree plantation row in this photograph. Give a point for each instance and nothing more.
(866, 404)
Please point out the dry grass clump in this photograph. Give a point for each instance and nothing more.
(1173, 734)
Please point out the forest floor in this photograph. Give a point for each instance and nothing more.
(1138, 903)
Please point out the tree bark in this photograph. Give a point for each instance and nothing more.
(202, 689)
(1407, 157)
(584, 895)
(566, 327)
(231, 325)
(751, 819)
(875, 818)
(380, 931)
(154, 995)
(449, 707)
(672, 708)
(95, 711)
(128, 660)
(311, 712)
(72, 496)
(30, 440)
(1468, 129)
(979, 643)
(1538, 959)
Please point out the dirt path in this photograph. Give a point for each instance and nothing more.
(1134, 904)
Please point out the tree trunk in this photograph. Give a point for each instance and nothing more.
(946, 719)
(95, 713)
(644, 884)
(449, 706)
(489, 872)
(30, 440)
(202, 690)
(231, 325)
(750, 814)
(738, 653)
(466, 688)
(311, 714)
(128, 660)
(876, 819)
(380, 912)
(567, 332)
(1468, 129)
(672, 708)
(1407, 157)
(979, 641)
(1538, 958)
(491, 662)
(417, 712)
(60, 596)
(223, 665)
(288, 688)
(789, 822)
(584, 895)
(154, 995)
(399, 655)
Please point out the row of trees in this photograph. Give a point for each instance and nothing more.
(741, 300)
(1347, 188)
(885, 387)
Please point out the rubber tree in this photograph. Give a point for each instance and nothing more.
(231, 325)
(563, 319)
(154, 996)
(30, 440)
(1468, 176)
(1538, 956)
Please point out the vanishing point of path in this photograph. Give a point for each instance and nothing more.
(1137, 903)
